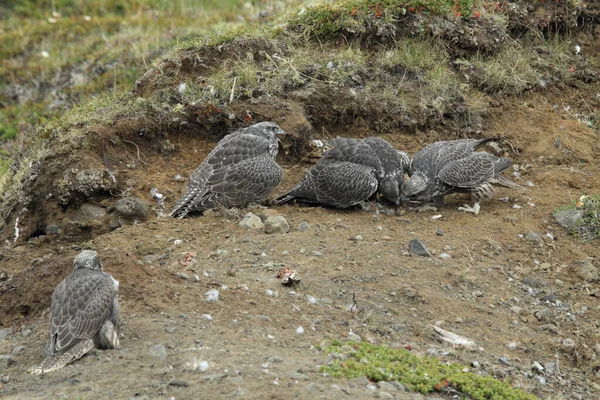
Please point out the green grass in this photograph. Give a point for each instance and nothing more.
(589, 228)
(54, 54)
(420, 374)
(357, 53)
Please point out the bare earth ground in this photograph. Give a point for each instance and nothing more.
(517, 299)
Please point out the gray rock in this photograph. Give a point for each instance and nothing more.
(51, 229)
(18, 350)
(418, 248)
(550, 368)
(251, 221)
(4, 333)
(586, 270)
(391, 387)
(303, 226)
(158, 351)
(535, 239)
(178, 383)
(26, 332)
(6, 361)
(384, 395)
(131, 207)
(361, 381)
(131, 183)
(170, 328)
(92, 211)
(354, 336)
(569, 219)
(297, 376)
(504, 361)
(276, 224)
(531, 282)
(5, 379)
(357, 238)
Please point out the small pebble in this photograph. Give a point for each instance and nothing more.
(203, 366)
(18, 350)
(211, 296)
(299, 330)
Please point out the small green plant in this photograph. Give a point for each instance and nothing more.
(587, 226)
(589, 229)
(421, 374)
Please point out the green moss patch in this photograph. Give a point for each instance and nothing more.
(420, 374)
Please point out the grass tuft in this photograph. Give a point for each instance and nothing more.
(420, 374)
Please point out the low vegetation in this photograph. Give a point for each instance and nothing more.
(419, 374)
(588, 227)
(58, 53)
(403, 64)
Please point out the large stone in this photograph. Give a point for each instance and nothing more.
(535, 239)
(276, 224)
(91, 211)
(418, 248)
(158, 351)
(251, 221)
(586, 270)
(569, 219)
(5, 333)
(6, 361)
(131, 207)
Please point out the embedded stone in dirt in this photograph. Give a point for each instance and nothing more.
(5, 333)
(586, 271)
(276, 224)
(535, 239)
(131, 207)
(159, 351)
(251, 221)
(6, 361)
(569, 219)
(303, 226)
(418, 248)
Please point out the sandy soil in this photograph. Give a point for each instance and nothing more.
(516, 299)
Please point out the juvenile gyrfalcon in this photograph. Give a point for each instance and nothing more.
(335, 183)
(240, 170)
(453, 166)
(84, 314)
(389, 164)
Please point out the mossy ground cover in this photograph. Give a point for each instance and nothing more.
(421, 374)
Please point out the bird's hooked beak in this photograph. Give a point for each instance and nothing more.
(279, 132)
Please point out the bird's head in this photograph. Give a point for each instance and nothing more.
(265, 129)
(390, 188)
(413, 188)
(87, 259)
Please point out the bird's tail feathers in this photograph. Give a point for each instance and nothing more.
(58, 361)
(283, 199)
(502, 181)
(185, 204)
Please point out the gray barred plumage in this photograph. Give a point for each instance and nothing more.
(453, 166)
(350, 172)
(240, 170)
(84, 314)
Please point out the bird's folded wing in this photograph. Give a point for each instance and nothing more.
(85, 303)
(468, 172)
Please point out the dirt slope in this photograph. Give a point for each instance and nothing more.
(510, 279)
(491, 289)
